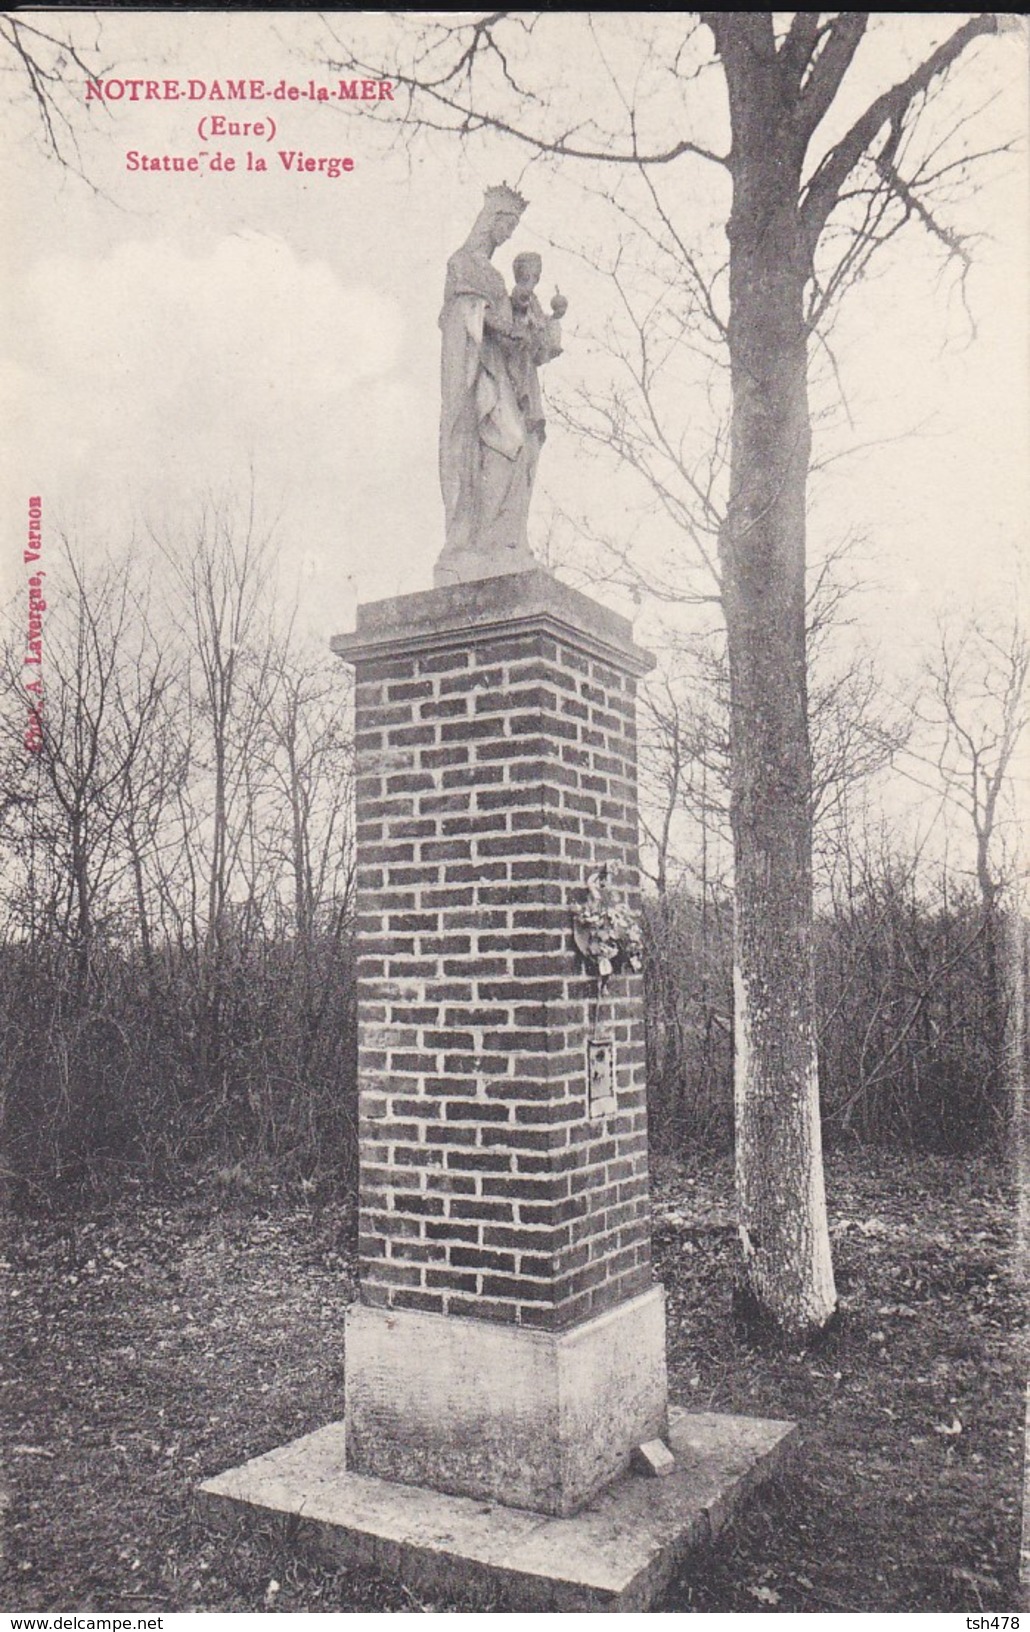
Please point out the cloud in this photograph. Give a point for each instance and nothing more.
(149, 359)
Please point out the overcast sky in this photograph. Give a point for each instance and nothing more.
(166, 334)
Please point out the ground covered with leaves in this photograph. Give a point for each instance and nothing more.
(150, 1345)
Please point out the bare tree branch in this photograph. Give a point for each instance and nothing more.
(822, 191)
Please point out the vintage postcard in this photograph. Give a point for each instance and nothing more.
(512, 888)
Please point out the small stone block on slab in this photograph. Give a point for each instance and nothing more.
(618, 1553)
(653, 1459)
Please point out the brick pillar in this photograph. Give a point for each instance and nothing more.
(509, 1340)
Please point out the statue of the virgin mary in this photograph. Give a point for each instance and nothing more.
(487, 452)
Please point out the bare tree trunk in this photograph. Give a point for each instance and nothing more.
(781, 1200)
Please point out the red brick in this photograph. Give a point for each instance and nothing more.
(499, 1286)
(428, 1302)
(482, 1258)
(440, 663)
(473, 998)
(455, 1279)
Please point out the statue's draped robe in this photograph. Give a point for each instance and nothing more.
(543, 336)
(485, 459)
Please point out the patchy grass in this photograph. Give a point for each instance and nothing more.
(906, 1493)
(150, 1346)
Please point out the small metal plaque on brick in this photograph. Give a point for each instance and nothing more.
(601, 1076)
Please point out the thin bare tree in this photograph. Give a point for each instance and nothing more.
(977, 709)
(51, 61)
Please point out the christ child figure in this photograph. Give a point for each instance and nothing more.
(538, 339)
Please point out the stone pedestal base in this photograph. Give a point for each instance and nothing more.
(472, 566)
(534, 1419)
(618, 1553)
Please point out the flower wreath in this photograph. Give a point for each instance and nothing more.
(606, 932)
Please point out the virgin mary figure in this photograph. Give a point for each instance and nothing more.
(487, 454)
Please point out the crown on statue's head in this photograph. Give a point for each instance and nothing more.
(506, 198)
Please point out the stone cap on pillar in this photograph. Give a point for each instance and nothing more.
(492, 608)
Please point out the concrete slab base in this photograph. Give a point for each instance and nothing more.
(617, 1553)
